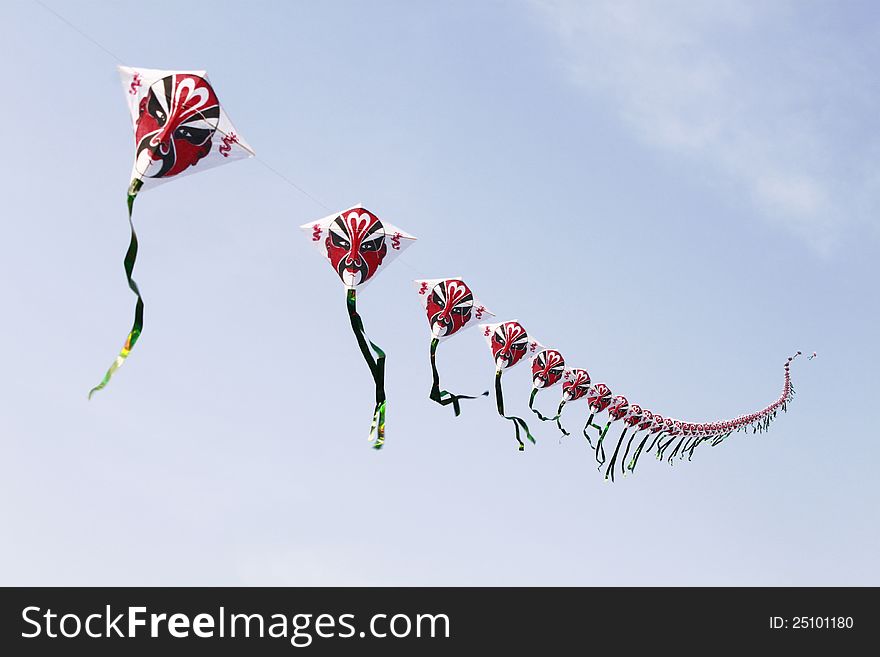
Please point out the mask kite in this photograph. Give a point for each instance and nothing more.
(548, 369)
(450, 307)
(358, 244)
(179, 128)
(575, 386)
(510, 344)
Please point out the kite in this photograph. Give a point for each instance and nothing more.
(179, 128)
(450, 307)
(576, 386)
(358, 244)
(509, 343)
(548, 369)
(598, 399)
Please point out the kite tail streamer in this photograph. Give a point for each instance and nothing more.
(377, 369)
(518, 423)
(662, 447)
(130, 257)
(587, 433)
(677, 448)
(443, 397)
(609, 471)
(600, 449)
(623, 467)
(534, 410)
(558, 420)
(635, 459)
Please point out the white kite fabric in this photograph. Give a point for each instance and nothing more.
(177, 116)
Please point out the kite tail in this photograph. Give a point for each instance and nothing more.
(443, 397)
(534, 410)
(662, 447)
(518, 423)
(130, 257)
(558, 420)
(600, 449)
(377, 369)
(677, 448)
(623, 467)
(587, 426)
(609, 471)
(635, 459)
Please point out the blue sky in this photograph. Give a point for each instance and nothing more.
(675, 195)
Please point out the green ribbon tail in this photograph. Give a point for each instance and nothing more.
(138, 325)
(600, 449)
(558, 422)
(377, 369)
(534, 410)
(444, 397)
(518, 423)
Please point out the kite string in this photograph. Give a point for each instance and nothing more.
(78, 31)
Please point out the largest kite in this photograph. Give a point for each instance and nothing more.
(179, 128)
(357, 244)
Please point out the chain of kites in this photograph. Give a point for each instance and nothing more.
(180, 127)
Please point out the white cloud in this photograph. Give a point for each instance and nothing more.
(766, 95)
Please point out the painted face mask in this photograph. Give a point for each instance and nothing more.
(450, 307)
(548, 366)
(176, 123)
(509, 344)
(577, 386)
(356, 246)
(599, 398)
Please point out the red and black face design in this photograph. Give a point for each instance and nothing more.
(599, 397)
(658, 423)
(356, 245)
(618, 407)
(576, 386)
(177, 119)
(509, 344)
(547, 369)
(633, 415)
(450, 306)
(646, 421)
(669, 426)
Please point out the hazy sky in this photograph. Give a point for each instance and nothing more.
(677, 195)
